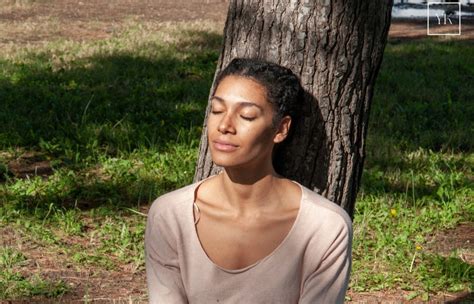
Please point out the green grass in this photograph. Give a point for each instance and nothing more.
(418, 177)
(397, 212)
(14, 284)
(120, 121)
(425, 95)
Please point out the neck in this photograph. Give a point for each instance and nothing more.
(249, 191)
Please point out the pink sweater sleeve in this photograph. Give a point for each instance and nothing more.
(162, 265)
(328, 282)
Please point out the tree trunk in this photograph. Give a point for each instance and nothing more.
(336, 48)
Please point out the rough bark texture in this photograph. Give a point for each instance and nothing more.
(336, 48)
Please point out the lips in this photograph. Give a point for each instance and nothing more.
(225, 146)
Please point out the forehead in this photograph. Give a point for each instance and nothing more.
(238, 89)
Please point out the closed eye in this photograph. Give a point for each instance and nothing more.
(247, 118)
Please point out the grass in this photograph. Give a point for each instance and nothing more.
(425, 88)
(418, 177)
(393, 228)
(119, 121)
(14, 284)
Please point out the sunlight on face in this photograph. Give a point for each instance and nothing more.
(240, 128)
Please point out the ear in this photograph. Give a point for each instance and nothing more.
(282, 130)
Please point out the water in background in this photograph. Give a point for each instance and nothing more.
(417, 9)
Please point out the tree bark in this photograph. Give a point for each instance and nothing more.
(336, 48)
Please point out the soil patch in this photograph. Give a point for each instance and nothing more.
(85, 283)
(402, 296)
(30, 164)
(30, 21)
(23, 22)
(459, 240)
(409, 29)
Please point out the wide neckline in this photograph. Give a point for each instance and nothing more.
(198, 243)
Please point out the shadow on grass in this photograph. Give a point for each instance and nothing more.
(422, 100)
(119, 102)
(423, 97)
(79, 193)
(451, 268)
(111, 104)
(464, 298)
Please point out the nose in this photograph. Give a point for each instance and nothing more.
(226, 125)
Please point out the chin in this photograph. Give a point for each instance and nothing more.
(235, 161)
(224, 161)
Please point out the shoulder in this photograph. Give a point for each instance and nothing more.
(326, 214)
(171, 202)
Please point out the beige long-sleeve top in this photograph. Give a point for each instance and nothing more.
(311, 265)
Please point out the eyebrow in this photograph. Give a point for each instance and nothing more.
(243, 103)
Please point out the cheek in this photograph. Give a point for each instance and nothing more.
(257, 136)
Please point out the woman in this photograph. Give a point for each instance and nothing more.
(247, 234)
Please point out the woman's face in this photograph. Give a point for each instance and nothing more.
(240, 129)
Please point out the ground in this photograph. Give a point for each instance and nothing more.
(30, 22)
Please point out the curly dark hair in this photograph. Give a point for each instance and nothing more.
(282, 86)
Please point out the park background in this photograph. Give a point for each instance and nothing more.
(101, 111)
